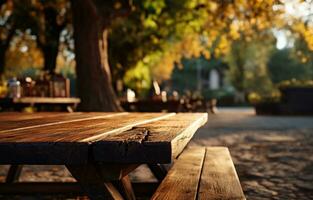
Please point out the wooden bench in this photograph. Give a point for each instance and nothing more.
(201, 173)
(40, 103)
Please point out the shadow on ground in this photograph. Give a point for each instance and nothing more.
(273, 155)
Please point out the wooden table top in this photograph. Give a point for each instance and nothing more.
(78, 138)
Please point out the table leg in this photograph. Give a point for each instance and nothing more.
(159, 171)
(14, 173)
(125, 187)
(69, 109)
(93, 183)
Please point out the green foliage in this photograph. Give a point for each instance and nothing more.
(248, 66)
(295, 83)
(164, 31)
(284, 65)
(148, 29)
(185, 78)
(138, 79)
(148, 36)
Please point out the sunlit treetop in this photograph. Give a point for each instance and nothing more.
(161, 32)
(226, 21)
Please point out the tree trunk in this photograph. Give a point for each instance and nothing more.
(4, 46)
(2, 60)
(92, 68)
(51, 33)
(50, 53)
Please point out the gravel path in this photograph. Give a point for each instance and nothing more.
(273, 155)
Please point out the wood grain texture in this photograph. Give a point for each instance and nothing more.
(19, 116)
(80, 129)
(155, 142)
(68, 142)
(20, 121)
(75, 138)
(37, 141)
(219, 179)
(181, 182)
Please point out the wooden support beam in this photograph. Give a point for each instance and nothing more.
(158, 170)
(44, 188)
(141, 189)
(92, 182)
(144, 189)
(14, 173)
(125, 188)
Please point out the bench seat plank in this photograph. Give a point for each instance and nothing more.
(155, 142)
(182, 180)
(201, 173)
(219, 179)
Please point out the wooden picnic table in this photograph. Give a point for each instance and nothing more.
(41, 103)
(97, 148)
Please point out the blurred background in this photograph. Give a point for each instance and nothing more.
(174, 56)
(192, 53)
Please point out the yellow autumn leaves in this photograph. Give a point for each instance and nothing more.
(222, 22)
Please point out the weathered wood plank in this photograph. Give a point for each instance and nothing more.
(18, 146)
(183, 178)
(119, 138)
(9, 125)
(137, 120)
(44, 153)
(16, 116)
(151, 142)
(219, 179)
(66, 143)
(79, 130)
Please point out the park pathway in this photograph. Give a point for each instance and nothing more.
(273, 155)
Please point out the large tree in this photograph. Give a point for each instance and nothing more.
(91, 24)
(45, 19)
(7, 30)
(52, 17)
(159, 33)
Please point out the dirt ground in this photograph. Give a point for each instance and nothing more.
(273, 155)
